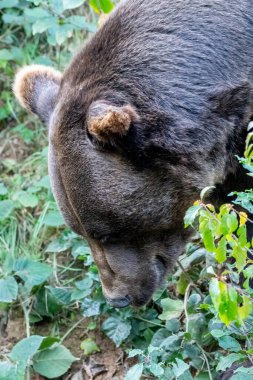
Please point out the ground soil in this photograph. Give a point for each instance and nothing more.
(108, 364)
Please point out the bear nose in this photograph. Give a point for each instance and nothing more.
(118, 302)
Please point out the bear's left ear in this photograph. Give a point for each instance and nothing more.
(106, 122)
(235, 103)
(36, 88)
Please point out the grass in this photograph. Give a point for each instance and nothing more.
(50, 293)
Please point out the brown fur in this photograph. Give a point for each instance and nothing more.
(124, 182)
(104, 121)
(26, 78)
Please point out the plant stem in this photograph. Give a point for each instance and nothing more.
(150, 322)
(206, 360)
(189, 278)
(186, 296)
(72, 329)
(55, 269)
(26, 312)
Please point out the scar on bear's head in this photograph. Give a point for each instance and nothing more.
(26, 80)
(106, 121)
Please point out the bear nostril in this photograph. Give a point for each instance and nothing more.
(118, 302)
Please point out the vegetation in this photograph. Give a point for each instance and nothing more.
(198, 324)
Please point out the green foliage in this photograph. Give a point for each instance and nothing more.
(89, 346)
(105, 6)
(199, 323)
(51, 359)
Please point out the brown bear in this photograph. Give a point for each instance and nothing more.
(153, 109)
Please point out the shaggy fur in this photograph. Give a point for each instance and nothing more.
(185, 67)
(106, 122)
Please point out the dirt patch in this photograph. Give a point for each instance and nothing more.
(108, 364)
(14, 331)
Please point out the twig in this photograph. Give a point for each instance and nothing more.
(55, 269)
(186, 296)
(189, 279)
(206, 360)
(150, 322)
(72, 329)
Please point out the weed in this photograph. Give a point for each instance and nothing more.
(198, 324)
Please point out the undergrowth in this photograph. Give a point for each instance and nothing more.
(198, 324)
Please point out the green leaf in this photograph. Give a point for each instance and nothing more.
(245, 309)
(203, 376)
(197, 327)
(229, 343)
(105, 6)
(80, 294)
(173, 325)
(26, 348)
(221, 251)
(179, 367)
(171, 309)
(6, 208)
(159, 337)
(243, 373)
(172, 343)
(229, 223)
(240, 255)
(193, 302)
(53, 362)
(225, 301)
(8, 289)
(89, 346)
(156, 369)
(84, 284)
(44, 182)
(26, 199)
(191, 215)
(135, 372)
(134, 353)
(12, 18)
(48, 342)
(3, 189)
(71, 4)
(32, 272)
(217, 333)
(242, 376)
(5, 55)
(81, 22)
(117, 329)
(8, 3)
(90, 308)
(63, 295)
(226, 361)
(208, 240)
(8, 371)
(41, 25)
(53, 219)
(58, 245)
(33, 14)
(182, 283)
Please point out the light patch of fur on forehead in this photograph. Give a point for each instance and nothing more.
(25, 80)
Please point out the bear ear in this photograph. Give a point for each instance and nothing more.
(235, 103)
(36, 88)
(105, 122)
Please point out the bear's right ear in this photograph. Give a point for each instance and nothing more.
(36, 88)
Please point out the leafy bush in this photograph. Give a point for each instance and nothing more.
(199, 323)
